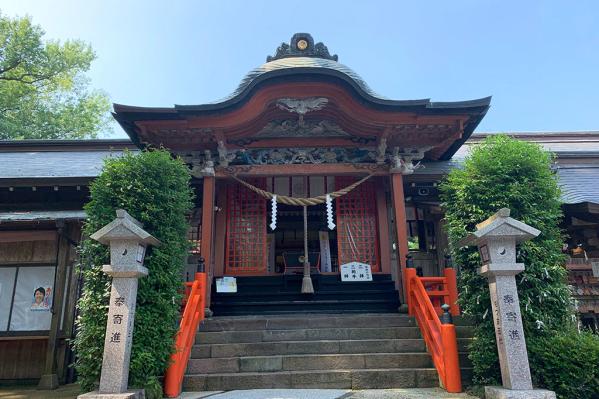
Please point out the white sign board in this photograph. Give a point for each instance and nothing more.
(226, 284)
(356, 271)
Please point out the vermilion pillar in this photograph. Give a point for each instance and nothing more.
(399, 209)
(208, 231)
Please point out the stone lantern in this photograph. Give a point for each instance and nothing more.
(496, 239)
(128, 242)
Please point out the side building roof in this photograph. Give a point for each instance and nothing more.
(56, 160)
(22, 162)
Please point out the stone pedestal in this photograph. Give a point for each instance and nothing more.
(496, 239)
(128, 242)
(48, 381)
(132, 394)
(503, 393)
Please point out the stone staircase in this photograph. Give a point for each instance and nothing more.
(357, 351)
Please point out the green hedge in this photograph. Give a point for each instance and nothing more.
(500, 173)
(153, 188)
(569, 363)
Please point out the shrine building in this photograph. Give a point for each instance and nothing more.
(303, 125)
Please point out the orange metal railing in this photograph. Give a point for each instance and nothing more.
(440, 337)
(443, 290)
(195, 300)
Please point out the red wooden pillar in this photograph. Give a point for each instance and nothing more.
(383, 223)
(220, 229)
(208, 231)
(399, 210)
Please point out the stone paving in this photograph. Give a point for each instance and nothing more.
(71, 391)
(424, 393)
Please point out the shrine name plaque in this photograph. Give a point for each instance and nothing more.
(356, 271)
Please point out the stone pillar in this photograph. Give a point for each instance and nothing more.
(128, 242)
(496, 239)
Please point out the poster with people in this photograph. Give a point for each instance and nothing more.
(33, 298)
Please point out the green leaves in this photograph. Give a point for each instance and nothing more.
(153, 188)
(43, 89)
(504, 172)
(569, 362)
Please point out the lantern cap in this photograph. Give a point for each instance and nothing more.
(500, 225)
(124, 228)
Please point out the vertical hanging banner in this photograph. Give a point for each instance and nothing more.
(325, 252)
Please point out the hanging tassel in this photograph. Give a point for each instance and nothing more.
(330, 221)
(273, 218)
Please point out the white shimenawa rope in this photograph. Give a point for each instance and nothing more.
(330, 221)
(273, 223)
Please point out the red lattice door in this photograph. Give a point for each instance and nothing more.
(246, 230)
(357, 230)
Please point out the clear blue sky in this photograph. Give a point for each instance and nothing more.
(538, 59)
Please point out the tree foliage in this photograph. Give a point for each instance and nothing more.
(43, 90)
(506, 173)
(154, 189)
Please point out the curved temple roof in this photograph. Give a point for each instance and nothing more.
(301, 61)
(315, 60)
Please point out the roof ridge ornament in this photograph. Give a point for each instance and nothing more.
(302, 45)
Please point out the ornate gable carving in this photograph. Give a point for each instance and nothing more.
(309, 128)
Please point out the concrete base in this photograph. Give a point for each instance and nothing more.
(48, 381)
(132, 394)
(504, 393)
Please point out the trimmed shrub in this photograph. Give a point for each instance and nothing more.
(506, 173)
(570, 363)
(154, 189)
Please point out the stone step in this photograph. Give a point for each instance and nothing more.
(317, 334)
(340, 379)
(314, 362)
(223, 307)
(314, 347)
(287, 322)
(307, 335)
(309, 362)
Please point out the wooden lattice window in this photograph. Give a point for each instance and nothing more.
(357, 230)
(246, 229)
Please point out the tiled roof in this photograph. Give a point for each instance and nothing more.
(53, 164)
(28, 216)
(301, 62)
(579, 183)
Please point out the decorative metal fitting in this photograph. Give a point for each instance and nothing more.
(302, 45)
(446, 317)
(409, 261)
(201, 265)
